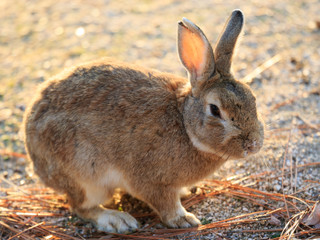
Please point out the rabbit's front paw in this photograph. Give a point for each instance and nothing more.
(185, 221)
(116, 222)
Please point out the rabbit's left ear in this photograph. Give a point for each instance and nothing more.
(195, 53)
(227, 42)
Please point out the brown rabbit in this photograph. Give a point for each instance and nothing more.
(107, 125)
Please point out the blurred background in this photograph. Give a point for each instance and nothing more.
(38, 38)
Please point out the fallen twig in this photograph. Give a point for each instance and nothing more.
(12, 154)
(267, 64)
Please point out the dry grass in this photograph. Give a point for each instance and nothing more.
(33, 211)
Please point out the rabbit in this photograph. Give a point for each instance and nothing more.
(109, 125)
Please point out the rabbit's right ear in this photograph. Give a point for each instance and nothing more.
(195, 53)
(227, 42)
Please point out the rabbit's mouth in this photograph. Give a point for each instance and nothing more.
(253, 142)
(238, 148)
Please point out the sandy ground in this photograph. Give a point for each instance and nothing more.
(40, 38)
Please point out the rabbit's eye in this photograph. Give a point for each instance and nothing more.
(215, 111)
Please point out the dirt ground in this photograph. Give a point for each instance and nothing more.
(40, 38)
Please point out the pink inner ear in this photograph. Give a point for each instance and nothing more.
(193, 51)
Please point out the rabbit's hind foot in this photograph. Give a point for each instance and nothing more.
(108, 220)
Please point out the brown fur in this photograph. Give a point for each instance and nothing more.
(111, 115)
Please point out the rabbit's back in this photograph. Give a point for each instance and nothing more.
(105, 84)
(106, 113)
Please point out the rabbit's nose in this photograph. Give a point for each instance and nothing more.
(251, 147)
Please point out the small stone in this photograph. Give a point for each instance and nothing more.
(286, 182)
(80, 31)
(315, 172)
(277, 187)
(274, 221)
(21, 161)
(8, 173)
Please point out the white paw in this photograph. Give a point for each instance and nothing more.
(185, 221)
(116, 222)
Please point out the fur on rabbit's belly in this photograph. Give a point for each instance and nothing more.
(99, 190)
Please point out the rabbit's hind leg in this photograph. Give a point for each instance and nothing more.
(107, 220)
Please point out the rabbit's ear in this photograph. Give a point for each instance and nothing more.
(227, 42)
(195, 53)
